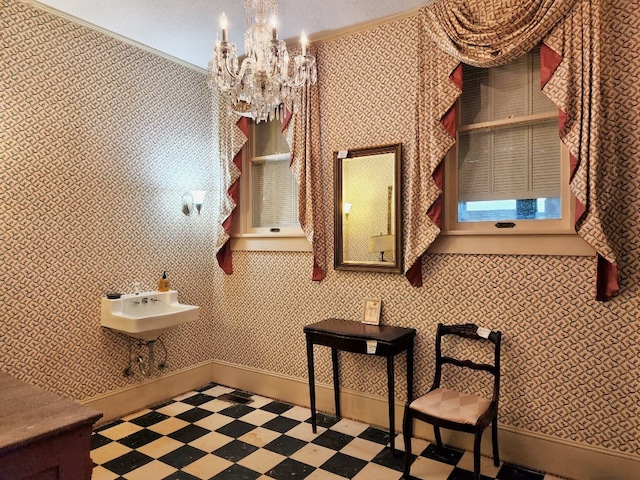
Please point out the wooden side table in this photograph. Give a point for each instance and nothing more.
(350, 336)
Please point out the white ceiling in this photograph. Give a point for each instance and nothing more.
(186, 29)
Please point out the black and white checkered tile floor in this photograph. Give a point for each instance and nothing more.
(222, 434)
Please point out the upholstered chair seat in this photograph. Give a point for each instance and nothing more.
(450, 405)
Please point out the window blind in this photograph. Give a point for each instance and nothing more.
(511, 161)
(274, 193)
(269, 139)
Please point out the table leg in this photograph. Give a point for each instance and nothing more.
(312, 384)
(336, 379)
(391, 389)
(410, 372)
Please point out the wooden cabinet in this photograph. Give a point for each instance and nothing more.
(43, 436)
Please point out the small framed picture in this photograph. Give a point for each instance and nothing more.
(371, 312)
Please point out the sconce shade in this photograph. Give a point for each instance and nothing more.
(198, 198)
(192, 200)
(346, 208)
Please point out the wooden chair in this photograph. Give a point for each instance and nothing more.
(456, 410)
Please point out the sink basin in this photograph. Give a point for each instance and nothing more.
(146, 315)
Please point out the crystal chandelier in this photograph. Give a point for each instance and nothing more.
(263, 81)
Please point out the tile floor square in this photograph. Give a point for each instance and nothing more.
(290, 468)
(259, 436)
(182, 456)
(343, 465)
(153, 469)
(148, 419)
(312, 454)
(281, 424)
(197, 399)
(237, 472)
(194, 415)
(362, 449)
(160, 447)
(235, 450)
(127, 462)
(140, 438)
(207, 466)
(277, 407)
(333, 439)
(236, 428)
(237, 411)
(262, 460)
(285, 445)
(189, 433)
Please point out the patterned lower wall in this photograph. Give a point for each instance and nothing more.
(98, 142)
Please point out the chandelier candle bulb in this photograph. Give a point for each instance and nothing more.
(224, 24)
(304, 41)
(274, 22)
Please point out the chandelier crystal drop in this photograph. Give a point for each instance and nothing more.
(264, 81)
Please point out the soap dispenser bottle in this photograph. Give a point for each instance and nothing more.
(163, 284)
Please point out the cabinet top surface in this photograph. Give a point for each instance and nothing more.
(29, 413)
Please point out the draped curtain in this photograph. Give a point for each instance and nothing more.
(231, 131)
(488, 34)
(303, 135)
(302, 131)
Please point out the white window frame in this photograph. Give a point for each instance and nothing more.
(527, 237)
(245, 237)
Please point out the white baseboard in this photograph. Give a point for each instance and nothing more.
(559, 457)
(133, 398)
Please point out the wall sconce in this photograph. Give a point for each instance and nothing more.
(346, 208)
(191, 200)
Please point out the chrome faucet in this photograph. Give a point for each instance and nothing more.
(145, 300)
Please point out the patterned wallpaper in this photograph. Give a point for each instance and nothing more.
(98, 142)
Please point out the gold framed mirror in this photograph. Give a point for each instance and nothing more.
(367, 209)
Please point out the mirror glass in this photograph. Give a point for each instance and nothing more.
(367, 209)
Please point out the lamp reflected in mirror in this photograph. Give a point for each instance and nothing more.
(381, 244)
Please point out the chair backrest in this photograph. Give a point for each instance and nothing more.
(474, 333)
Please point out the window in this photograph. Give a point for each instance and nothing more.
(268, 207)
(508, 174)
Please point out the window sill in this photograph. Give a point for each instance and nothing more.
(272, 243)
(509, 243)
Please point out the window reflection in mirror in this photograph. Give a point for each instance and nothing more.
(367, 209)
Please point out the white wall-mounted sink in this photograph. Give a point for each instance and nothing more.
(146, 315)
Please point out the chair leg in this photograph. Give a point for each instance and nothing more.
(494, 436)
(436, 431)
(406, 434)
(476, 455)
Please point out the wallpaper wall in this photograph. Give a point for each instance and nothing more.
(98, 142)
(570, 364)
